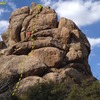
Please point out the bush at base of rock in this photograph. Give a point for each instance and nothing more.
(62, 91)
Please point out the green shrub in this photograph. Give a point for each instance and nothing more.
(62, 91)
(48, 91)
(86, 92)
(12, 97)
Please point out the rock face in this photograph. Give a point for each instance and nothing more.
(2, 45)
(60, 50)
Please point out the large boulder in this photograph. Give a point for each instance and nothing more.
(41, 49)
(64, 74)
(51, 56)
(64, 22)
(19, 11)
(46, 19)
(27, 83)
(15, 64)
(15, 26)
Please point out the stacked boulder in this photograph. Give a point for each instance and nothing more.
(60, 51)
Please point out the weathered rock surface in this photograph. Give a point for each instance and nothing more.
(2, 45)
(46, 55)
(28, 82)
(5, 38)
(56, 51)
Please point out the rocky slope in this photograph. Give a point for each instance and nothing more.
(60, 51)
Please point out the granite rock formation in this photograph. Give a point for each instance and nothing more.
(60, 51)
